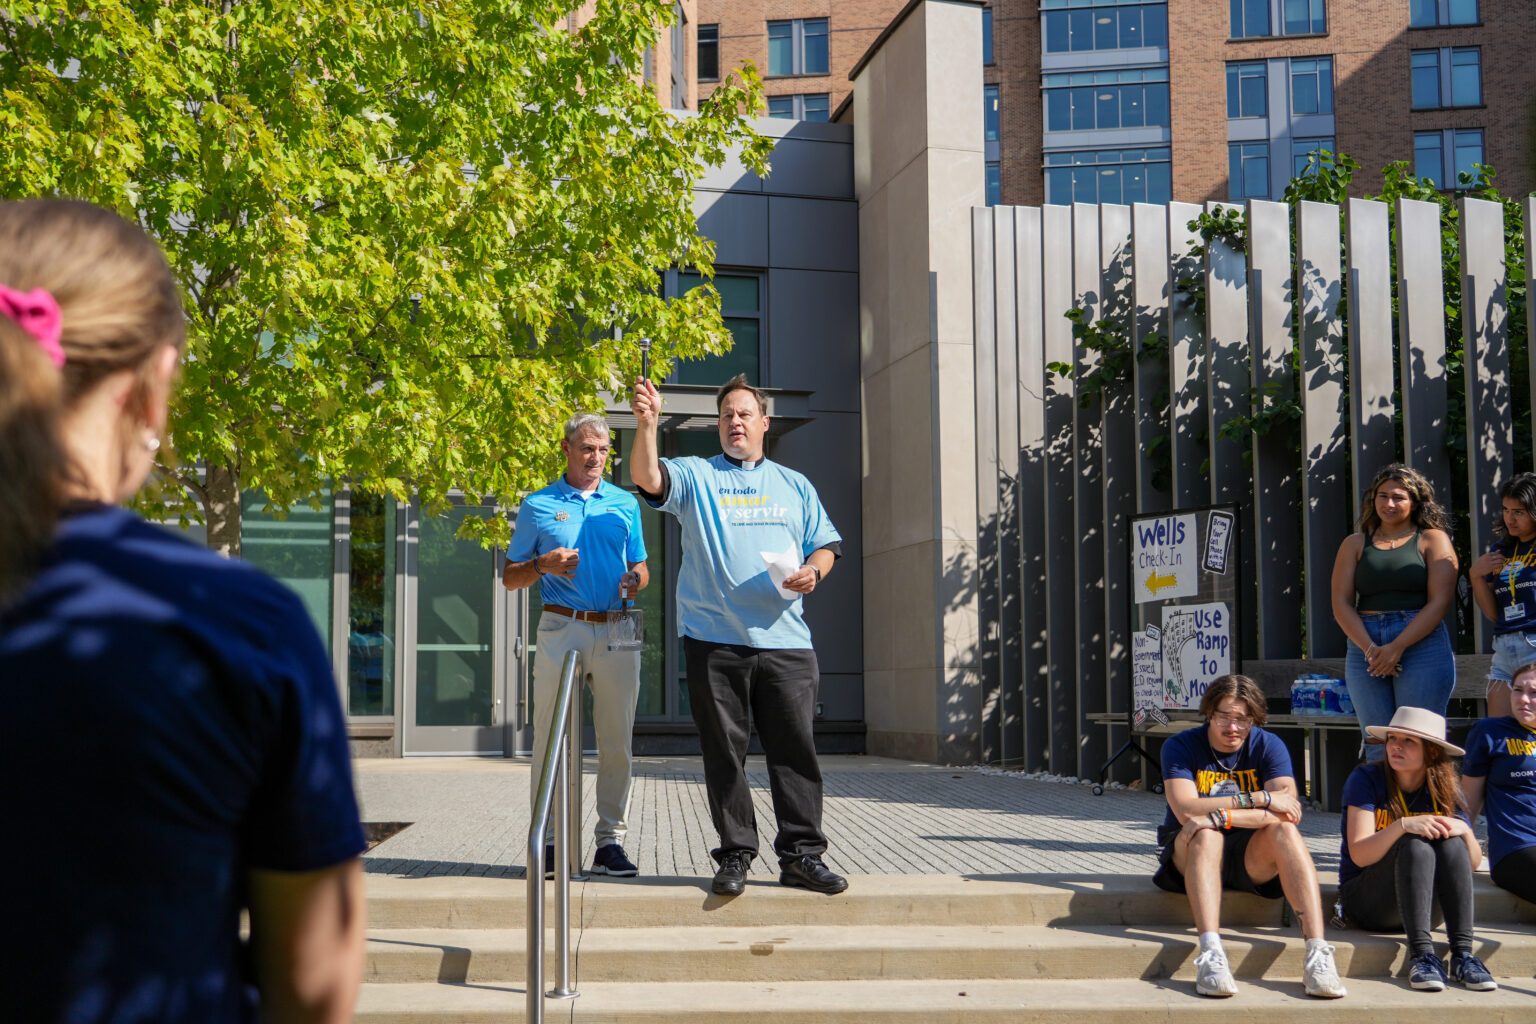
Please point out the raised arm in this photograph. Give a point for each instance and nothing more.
(644, 466)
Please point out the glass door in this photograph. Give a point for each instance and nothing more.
(459, 660)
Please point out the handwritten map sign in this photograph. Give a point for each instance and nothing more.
(1165, 558)
(1196, 648)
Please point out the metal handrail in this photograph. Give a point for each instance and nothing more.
(561, 770)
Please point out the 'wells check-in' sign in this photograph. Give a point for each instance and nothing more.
(1164, 558)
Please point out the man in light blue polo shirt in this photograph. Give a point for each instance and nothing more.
(755, 541)
(580, 540)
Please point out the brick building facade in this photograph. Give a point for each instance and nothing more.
(1340, 73)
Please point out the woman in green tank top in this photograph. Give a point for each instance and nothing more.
(1393, 583)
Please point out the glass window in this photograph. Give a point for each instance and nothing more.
(1429, 157)
(1303, 17)
(986, 35)
(1247, 90)
(679, 57)
(296, 549)
(709, 53)
(994, 184)
(371, 607)
(1462, 12)
(1108, 176)
(781, 106)
(1302, 150)
(1248, 170)
(741, 309)
(781, 47)
(1469, 153)
(1250, 18)
(1107, 25)
(1466, 77)
(1081, 101)
(989, 106)
(1312, 85)
(1426, 79)
(1423, 13)
(816, 106)
(815, 55)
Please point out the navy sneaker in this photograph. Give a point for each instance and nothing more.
(1469, 970)
(610, 860)
(1427, 973)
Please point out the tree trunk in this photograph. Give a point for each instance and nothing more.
(221, 508)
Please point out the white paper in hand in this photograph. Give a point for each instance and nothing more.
(781, 566)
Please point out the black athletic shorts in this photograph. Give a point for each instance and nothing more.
(1234, 873)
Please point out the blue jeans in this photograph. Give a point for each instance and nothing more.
(1427, 678)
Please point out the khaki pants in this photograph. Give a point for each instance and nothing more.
(614, 677)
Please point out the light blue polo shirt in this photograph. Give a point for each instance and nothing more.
(730, 516)
(604, 528)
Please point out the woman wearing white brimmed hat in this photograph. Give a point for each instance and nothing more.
(1408, 845)
(1501, 767)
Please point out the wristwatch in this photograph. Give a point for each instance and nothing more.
(814, 570)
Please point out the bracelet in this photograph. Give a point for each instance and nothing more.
(1226, 820)
(1214, 818)
(1243, 801)
(536, 568)
(1369, 649)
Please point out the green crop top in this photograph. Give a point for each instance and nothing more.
(1391, 581)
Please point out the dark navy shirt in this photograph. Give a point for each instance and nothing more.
(1189, 755)
(1366, 788)
(1503, 751)
(169, 721)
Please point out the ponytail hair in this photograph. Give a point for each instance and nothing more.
(119, 305)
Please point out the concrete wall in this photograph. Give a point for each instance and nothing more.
(918, 171)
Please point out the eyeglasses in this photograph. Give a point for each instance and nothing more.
(1516, 513)
(1241, 721)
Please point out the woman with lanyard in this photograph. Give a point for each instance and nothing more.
(1408, 846)
(1504, 587)
(1499, 777)
(1393, 582)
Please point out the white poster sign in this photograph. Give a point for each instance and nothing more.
(1165, 558)
(1146, 670)
(1196, 649)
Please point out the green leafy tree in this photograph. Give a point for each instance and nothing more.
(408, 233)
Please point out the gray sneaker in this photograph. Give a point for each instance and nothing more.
(1319, 975)
(1212, 975)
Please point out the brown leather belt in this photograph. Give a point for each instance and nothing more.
(572, 613)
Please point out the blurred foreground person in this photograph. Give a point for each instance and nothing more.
(173, 745)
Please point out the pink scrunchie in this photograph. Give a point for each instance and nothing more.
(37, 313)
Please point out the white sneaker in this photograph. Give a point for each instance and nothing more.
(1212, 976)
(1320, 976)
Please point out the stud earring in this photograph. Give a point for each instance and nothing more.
(151, 442)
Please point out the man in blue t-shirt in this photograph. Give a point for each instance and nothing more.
(1233, 809)
(755, 541)
(580, 540)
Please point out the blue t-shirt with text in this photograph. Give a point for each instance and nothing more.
(171, 721)
(1517, 615)
(731, 517)
(1503, 752)
(1189, 755)
(1366, 788)
(604, 529)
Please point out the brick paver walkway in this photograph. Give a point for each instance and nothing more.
(882, 816)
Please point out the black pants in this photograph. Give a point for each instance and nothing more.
(1516, 872)
(1400, 892)
(726, 682)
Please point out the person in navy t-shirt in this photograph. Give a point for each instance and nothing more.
(1407, 846)
(1231, 823)
(173, 741)
(756, 540)
(1499, 777)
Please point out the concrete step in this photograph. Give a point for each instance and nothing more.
(948, 1002)
(871, 901)
(803, 953)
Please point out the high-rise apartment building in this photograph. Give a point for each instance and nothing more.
(1195, 100)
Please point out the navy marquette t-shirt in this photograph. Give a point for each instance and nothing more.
(169, 721)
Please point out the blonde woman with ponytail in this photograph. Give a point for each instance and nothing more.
(171, 733)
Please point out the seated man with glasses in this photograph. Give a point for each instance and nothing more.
(1233, 809)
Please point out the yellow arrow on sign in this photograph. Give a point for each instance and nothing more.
(1156, 582)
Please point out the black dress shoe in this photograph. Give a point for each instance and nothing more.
(731, 878)
(808, 872)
